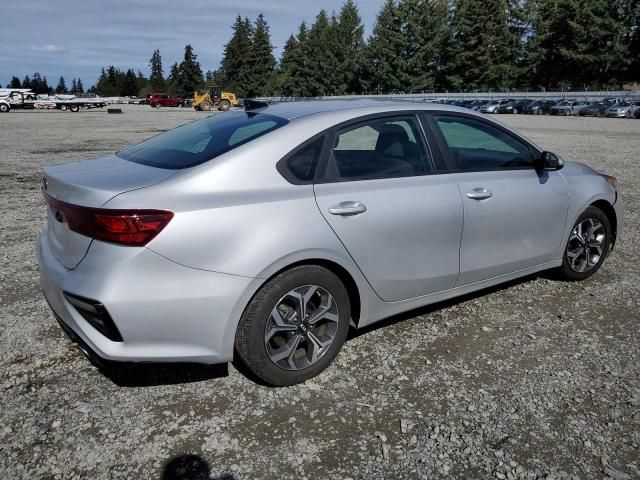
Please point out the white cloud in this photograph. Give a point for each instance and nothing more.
(49, 48)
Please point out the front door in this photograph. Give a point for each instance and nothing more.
(514, 215)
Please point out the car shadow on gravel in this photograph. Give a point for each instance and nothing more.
(426, 310)
(152, 375)
(190, 467)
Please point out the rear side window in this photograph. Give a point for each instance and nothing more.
(380, 148)
(476, 145)
(202, 140)
(302, 165)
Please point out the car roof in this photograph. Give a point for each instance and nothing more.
(292, 110)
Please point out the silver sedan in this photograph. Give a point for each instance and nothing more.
(262, 236)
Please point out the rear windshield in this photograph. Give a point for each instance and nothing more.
(202, 140)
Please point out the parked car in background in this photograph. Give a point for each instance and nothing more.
(514, 106)
(158, 100)
(623, 109)
(636, 114)
(539, 107)
(462, 103)
(567, 107)
(476, 104)
(151, 254)
(595, 109)
(493, 106)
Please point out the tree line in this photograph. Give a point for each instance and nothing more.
(415, 46)
(39, 84)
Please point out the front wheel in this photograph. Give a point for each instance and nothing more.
(587, 246)
(224, 105)
(4, 107)
(294, 326)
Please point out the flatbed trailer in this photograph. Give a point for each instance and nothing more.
(26, 100)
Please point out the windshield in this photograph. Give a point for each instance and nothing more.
(202, 140)
(623, 104)
(563, 103)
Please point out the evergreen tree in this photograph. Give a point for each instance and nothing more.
(580, 43)
(129, 84)
(37, 84)
(79, 86)
(74, 86)
(288, 63)
(348, 39)
(15, 82)
(320, 57)
(172, 79)
(384, 51)
(235, 67)
(189, 73)
(426, 34)
(62, 86)
(156, 78)
(261, 60)
(26, 83)
(483, 49)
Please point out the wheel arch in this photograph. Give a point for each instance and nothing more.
(610, 212)
(338, 270)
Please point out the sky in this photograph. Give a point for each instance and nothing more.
(75, 38)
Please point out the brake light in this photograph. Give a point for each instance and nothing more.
(133, 228)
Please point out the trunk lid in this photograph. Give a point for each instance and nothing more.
(89, 183)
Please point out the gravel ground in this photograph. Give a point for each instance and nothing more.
(537, 379)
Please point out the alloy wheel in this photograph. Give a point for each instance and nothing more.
(301, 327)
(586, 245)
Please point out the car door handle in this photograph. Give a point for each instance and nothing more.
(348, 208)
(480, 193)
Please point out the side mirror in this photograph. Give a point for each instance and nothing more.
(550, 161)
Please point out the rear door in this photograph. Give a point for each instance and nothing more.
(514, 215)
(384, 197)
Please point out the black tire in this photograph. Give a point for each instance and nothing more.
(4, 107)
(224, 105)
(74, 108)
(206, 106)
(63, 108)
(566, 272)
(250, 347)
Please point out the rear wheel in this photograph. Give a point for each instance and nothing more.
(63, 108)
(74, 108)
(294, 326)
(224, 105)
(206, 105)
(587, 246)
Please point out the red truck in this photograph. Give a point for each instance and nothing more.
(158, 100)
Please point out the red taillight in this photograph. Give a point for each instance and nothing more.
(134, 228)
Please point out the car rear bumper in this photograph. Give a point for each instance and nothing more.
(164, 312)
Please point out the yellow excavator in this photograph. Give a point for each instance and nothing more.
(212, 98)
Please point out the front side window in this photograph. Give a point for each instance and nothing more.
(384, 147)
(202, 140)
(475, 145)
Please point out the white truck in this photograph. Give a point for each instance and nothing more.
(24, 98)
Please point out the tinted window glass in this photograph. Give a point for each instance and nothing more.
(476, 145)
(389, 147)
(304, 162)
(200, 141)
